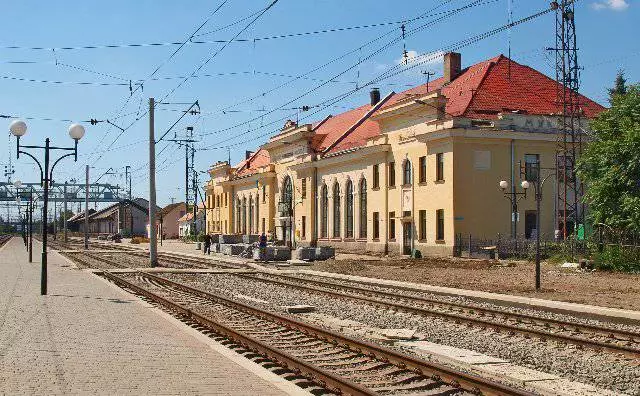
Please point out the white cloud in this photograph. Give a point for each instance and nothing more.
(616, 5)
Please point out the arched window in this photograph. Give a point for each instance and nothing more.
(324, 208)
(238, 216)
(244, 215)
(363, 208)
(406, 172)
(349, 211)
(286, 198)
(336, 210)
(251, 214)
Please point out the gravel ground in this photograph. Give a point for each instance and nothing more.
(472, 303)
(602, 370)
(607, 289)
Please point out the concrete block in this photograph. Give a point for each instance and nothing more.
(455, 354)
(398, 334)
(230, 238)
(300, 308)
(248, 239)
(305, 253)
(299, 263)
(278, 253)
(324, 252)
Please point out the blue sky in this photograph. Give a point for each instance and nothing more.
(245, 70)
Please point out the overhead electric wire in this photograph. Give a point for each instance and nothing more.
(220, 41)
(157, 68)
(361, 60)
(262, 12)
(410, 65)
(219, 50)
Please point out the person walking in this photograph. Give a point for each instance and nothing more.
(207, 244)
(262, 244)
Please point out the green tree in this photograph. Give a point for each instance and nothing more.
(610, 164)
(619, 87)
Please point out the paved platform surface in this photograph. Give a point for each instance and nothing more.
(87, 337)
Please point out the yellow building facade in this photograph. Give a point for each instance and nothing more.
(408, 171)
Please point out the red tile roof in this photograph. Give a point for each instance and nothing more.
(250, 166)
(480, 91)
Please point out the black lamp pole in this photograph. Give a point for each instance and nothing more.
(534, 170)
(30, 224)
(45, 180)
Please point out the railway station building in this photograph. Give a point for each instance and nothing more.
(408, 170)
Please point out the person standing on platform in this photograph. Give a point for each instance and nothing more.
(207, 244)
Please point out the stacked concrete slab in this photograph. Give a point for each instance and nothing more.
(230, 238)
(305, 253)
(324, 253)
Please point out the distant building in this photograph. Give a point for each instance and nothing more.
(125, 217)
(168, 220)
(186, 223)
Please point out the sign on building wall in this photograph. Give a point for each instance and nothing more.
(482, 160)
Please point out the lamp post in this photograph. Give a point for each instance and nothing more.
(18, 129)
(533, 170)
(513, 197)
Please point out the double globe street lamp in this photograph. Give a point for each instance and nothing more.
(18, 129)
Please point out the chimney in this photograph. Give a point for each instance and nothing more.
(375, 96)
(247, 154)
(452, 66)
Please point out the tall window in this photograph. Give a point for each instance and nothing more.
(349, 210)
(423, 170)
(303, 188)
(363, 208)
(251, 214)
(423, 224)
(324, 208)
(304, 227)
(406, 173)
(238, 216)
(440, 167)
(376, 225)
(264, 193)
(225, 199)
(392, 174)
(440, 224)
(376, 176)
(244, 215)
(531, 166)
(392, 225)
(336, 210)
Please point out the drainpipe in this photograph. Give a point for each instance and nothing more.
(314, 208)
(385, 214)
(514, 224)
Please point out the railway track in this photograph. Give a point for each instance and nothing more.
(4, 239)
(583, 335)
(343, 365)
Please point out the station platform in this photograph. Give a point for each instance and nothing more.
(89, 337)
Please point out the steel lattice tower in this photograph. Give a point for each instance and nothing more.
(569, 208)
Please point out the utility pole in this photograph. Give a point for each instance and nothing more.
(66, 240)
(127, 180)
(86, 209)
(153, 236)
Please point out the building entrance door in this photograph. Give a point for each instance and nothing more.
(530, 224)
(407, 235)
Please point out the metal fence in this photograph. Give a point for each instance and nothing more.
(507, 247)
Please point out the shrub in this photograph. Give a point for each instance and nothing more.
(618, 258)
(137, 240)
